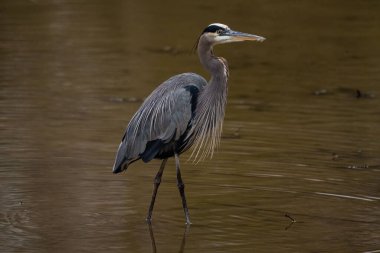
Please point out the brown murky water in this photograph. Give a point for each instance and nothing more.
(301, 134)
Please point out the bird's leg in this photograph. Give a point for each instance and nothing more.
(154, 248)
(156, 184)
(187, 229)
(181, 188)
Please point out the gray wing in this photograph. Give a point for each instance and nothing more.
(162, 119)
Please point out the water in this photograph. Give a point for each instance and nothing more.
(300, 140)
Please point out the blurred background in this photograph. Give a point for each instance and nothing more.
(300, 139)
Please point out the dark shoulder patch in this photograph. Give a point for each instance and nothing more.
(151, 150)
(194, 91)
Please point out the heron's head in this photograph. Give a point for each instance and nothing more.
(217, 33)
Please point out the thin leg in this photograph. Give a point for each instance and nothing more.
(187, 229)
(154, 248)
(157, 181)
(181, 188)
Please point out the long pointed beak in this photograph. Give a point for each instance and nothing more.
(235, 36)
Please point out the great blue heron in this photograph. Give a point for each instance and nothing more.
(182, 111)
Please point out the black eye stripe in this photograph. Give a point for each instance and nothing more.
(213, 29)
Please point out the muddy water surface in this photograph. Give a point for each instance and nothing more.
(300, 141)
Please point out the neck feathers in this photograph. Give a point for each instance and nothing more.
(211, 104)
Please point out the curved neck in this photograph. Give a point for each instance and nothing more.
(216, 66)
(211, 102)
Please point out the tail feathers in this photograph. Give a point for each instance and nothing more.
(120, 167)
(121, 162)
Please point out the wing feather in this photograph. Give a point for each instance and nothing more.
(164, 115)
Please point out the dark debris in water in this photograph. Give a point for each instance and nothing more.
(360, 94)
(292, 221)
(354, 93)
(335, 156)
(126, 100)
(358, 166)
(290, 217)
(353, 160)
(320, 92)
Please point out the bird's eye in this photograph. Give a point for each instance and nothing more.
(219, 32)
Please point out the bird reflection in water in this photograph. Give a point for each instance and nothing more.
(183, 242)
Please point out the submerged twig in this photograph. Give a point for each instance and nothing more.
(291, 218)
(292, 221)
